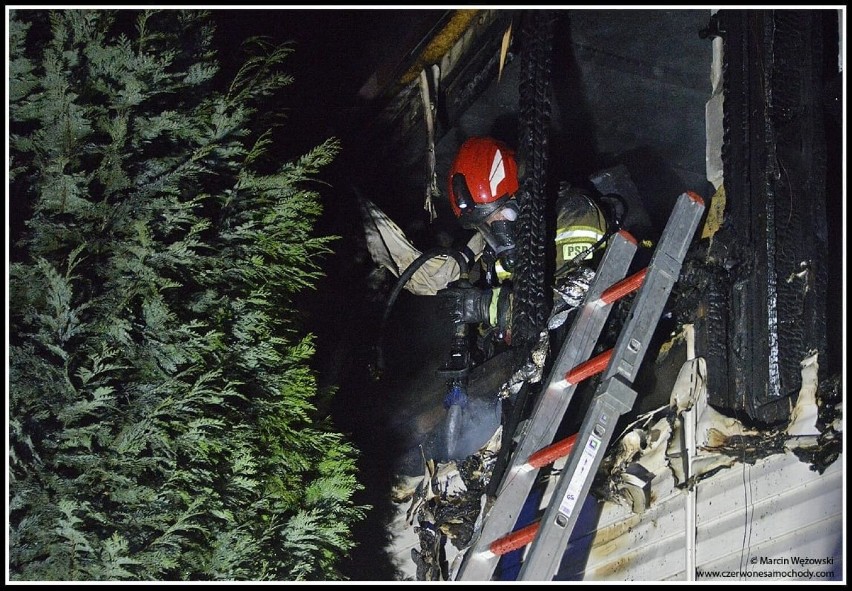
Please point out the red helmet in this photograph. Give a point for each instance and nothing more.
(482, 177)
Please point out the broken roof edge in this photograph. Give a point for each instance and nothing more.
(391, 77)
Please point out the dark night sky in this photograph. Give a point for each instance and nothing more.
(335, 52)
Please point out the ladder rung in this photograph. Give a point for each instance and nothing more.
(551, 453)
(515, 540)
(589, 368)
(624, 287)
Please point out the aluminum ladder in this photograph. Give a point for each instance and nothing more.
(548, 538)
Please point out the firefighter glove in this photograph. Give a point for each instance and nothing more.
(466, 303)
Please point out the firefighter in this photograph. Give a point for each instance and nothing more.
(482, 183)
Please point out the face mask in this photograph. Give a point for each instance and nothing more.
(498, 229)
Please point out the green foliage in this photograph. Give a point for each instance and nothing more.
(161, 416)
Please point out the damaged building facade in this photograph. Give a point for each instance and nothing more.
(728, 466)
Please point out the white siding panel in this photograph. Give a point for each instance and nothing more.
(755, 520)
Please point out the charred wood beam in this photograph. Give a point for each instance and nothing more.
(768, 310)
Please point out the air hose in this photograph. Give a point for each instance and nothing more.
(404, 278)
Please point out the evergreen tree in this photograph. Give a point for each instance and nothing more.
(161, 418)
